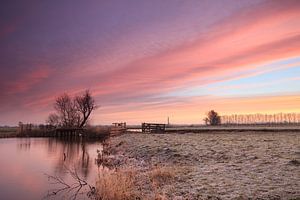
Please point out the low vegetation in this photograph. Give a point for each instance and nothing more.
(162, 175)
(41, 131)
(122, 184)
(6, 132)
(117, 185)
(97, 131)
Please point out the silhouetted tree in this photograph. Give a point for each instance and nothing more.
(72, 112)
(53, 120)
(65, 107)
(212, 118)
(85, 104)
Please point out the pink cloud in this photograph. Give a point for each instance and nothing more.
(235, 44)
(256, 35)
(28, 80)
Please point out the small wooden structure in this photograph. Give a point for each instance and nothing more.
(69, 132)
(118, 128)
(153, 128)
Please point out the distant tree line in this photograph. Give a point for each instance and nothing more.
(278, 118)
(23, 127)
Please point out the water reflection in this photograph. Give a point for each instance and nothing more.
(71, 153)
(24, 144)
(24, 161)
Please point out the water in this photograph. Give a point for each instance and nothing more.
(26, 163)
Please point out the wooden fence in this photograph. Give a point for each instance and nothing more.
(118, 128)
(153, 128)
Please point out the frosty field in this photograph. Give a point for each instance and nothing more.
(223, 165)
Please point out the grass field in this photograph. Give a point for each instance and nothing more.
(220, 165)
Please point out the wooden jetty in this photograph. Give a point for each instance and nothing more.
(153, 128)
(69, 132)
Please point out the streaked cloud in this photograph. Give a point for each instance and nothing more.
(147, 58)
(27, 80)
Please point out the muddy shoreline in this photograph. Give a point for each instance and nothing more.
(220, 165)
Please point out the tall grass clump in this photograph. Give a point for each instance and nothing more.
(117, 185)
(162, 175)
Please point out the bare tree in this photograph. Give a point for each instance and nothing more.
(72, 112)
(53, 119)
(65, 107)
(212, 118)
(85, 104)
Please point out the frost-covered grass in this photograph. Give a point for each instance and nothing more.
(213, 165)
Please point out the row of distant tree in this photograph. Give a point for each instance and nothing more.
(277, 118)
(213, 118)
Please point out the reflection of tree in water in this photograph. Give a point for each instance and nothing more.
(65, 190)
(70, 152)
(85, 160)
(72, 157)
(24, 144)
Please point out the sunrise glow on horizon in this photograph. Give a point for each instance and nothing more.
(150, 60)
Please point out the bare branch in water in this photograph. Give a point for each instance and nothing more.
(73, 189)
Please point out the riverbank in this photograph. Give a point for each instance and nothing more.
(7, 132)
(221, 165)
(90, 132)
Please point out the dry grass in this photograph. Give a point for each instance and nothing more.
(97, 132)
(162, 175)
(117, 185)
(125, 184)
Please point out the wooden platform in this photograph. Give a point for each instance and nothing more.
(69, 132)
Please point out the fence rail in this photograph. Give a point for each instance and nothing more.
(153, 128)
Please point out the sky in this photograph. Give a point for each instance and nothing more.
(145, 61)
